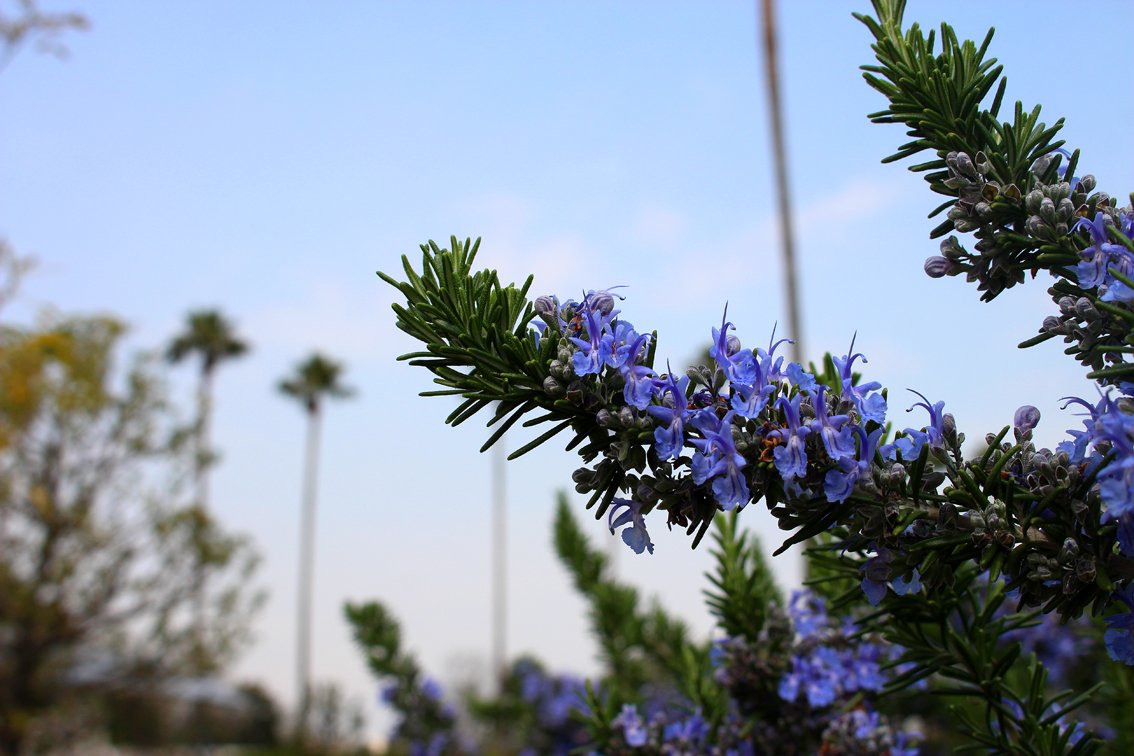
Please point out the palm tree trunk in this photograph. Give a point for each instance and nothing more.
(201, 484)
(783, 191)
(306, 571)
(499, 566)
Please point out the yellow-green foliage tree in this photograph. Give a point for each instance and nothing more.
(98, 545)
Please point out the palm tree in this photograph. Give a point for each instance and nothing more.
(211, 337)
(315, 378)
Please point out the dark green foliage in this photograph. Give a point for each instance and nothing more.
(744, 587)
(425, 721)
(379, 638)
(638, 646)
(939, 96)
(476, 337)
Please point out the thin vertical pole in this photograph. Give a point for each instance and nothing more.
(306, 572)
(783, 192)
(499, 564)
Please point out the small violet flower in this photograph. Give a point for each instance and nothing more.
(717, 458)
(669, 436)
(596, 349)
(634, 536)
(738, 364)
(790, 456)
(837, 439)
(872, 407)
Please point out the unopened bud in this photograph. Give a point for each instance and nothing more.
(938, 267)
(1026, 418)
(546, 306)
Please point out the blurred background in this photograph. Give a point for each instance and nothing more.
(262, 162)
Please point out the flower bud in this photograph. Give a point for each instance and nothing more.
(949, 429)
(1052, 324)
(546, 306)
(552, 387)
(938, 267)
(951, 248)
(1042, 164)
(602, 301)
(1085, 309)
(1069, 551)
(1025, 419)
(645, 494)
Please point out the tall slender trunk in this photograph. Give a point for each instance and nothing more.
(306, 571)
(796, 350)
(201, 484)
(204, 421)
(783, 189)
(499, 565)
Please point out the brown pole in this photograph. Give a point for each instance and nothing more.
(783, 193)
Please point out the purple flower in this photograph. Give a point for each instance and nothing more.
(799, 377)
(836, 438)
(872, 407)
(633, 730)
(790, 456)
(1092, 268)
(876, 572)
(1119, 635)
(904, 586)
(839, 482)
(634, 536)
(692, 730)
(718, 459)
(863, 668)
(1116, 479)
(816, 676)
(934, 434)
(738, 364)
(749, 400)
(640, 388)
(669, 438)
(594, 351)
(624, 345)
(808, 613)
(431, 689)
(769, 363)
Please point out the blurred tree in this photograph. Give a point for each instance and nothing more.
(97, 557)
(12, 269)
(210, 336)
(315, 378)
(28, 22)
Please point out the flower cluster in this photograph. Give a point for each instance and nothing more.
(678, 734)
(802, 673)
(554, 699)
(1106, 448)
(427, 723)
(726, 435)
(1107, 265)
(828, 662)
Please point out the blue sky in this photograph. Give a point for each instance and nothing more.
(267, 162)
